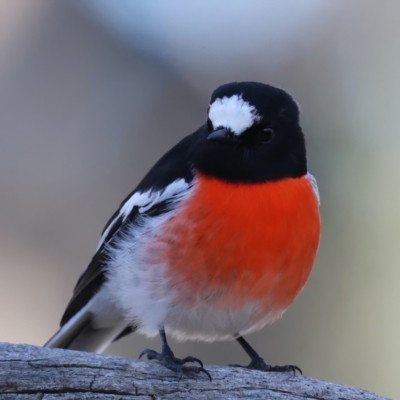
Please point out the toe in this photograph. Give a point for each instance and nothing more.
(192, 360)
(196, 370)
(151, 355)
(260, 365)
(287, 368)
(294, 369)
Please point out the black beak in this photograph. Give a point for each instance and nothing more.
(221, 135)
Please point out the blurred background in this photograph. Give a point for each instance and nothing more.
(93, 92)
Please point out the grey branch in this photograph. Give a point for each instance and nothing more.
(29, 372)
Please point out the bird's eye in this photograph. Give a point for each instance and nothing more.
(266, 135)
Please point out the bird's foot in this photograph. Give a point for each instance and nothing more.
(168, 359)
(260, 365)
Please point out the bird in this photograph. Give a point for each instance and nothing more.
(214, 243)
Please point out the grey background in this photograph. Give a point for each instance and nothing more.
(91, 95)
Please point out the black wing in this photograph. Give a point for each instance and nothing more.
(174, 165)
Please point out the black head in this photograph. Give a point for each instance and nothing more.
(252, 135)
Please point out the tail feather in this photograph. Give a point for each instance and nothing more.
(79, 333)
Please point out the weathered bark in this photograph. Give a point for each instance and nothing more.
(29, 372)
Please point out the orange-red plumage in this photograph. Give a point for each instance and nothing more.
(244, 242)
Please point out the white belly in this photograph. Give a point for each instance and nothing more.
(138, 287)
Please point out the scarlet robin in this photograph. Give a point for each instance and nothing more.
(215, 242)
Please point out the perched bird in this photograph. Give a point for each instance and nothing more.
(215, 242)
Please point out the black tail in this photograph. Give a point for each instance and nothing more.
(80, 333)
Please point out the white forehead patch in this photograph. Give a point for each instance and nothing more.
(233, 113)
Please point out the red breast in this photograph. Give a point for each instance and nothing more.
(241, 243)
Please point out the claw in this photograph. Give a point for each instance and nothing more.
(151, 355)
(198, 361)
(193, 360)
(143, 353)
(197, 370)
(180, 376)
(194, 369)
(295, 368)
(287, 368)
(206, 372)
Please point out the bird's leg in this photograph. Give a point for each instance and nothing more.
(168, 359)
(259, 364)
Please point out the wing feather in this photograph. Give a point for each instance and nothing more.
(170, 176)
